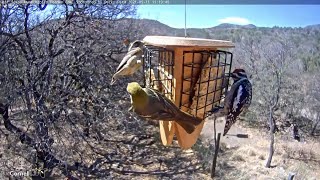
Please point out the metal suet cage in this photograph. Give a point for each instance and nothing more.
(191, 72)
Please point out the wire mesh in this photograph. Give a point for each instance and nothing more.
(207, 90)
(204, 82)
(159, 69)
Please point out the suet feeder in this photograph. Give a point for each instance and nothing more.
(193, 73)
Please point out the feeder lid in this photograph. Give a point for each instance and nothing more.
(186, 42)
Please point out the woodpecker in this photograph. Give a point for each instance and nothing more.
(238, 99)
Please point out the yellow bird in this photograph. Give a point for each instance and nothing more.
(149, 103)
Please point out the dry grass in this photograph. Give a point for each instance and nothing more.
(247, 159)
(121, 154)
(238, 159)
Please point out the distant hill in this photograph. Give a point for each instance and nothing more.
(153, 27)
(315, 26)
(307, 38)
(234, 26)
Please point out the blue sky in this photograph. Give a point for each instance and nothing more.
(203, 16)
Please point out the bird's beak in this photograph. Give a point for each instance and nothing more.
(233, 75)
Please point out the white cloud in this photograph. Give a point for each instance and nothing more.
(234, 20)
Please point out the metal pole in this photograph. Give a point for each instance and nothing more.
(185, 18)
(214, 161)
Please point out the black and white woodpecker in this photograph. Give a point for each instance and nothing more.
(238, 99)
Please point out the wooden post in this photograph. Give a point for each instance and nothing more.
(271, 150)
(214, 161)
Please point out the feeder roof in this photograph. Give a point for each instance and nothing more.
(187, 42)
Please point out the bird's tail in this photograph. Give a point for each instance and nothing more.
(188, 119)
(187, 127)
(230, 120)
